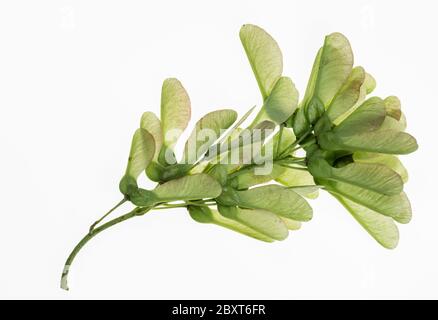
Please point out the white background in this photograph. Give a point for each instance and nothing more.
(75, 77)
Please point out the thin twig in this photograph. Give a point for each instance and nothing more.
(280, 136)
(107, 214)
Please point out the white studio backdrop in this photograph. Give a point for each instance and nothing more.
(75, 77)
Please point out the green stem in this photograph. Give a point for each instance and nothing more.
(306, 186)
(201, 203)
(185, 204)
(240, 171)
(108, 213)
(281, 162)
(291, 160)
(137, 211)
(294, 167)
(175, 206)
(280, 136)
(302, 146)
(170, 206)
(295, 143)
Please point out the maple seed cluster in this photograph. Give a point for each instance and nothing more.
(335, 139)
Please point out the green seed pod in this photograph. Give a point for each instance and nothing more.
(166, 156)
(127, 185)
(229, 197)
(299, 123)
(155, 171)
(219, 172)
(314, 110)
(319, 167)
(323, 124)
(142, 198)
(175, 171)
(200, 214)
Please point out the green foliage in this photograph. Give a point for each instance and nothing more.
(214, 122)
(140, 155)
(349, 145)
(264, 56)
(262, 221)
(280, 200)
(332, 67)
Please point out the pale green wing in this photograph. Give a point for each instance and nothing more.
(395, 119)
(300, 181)
(313, 80)
(262, 221)
(235, 128)
(388, 160)
(287, 138)
(219, 172)
(397, 207)
(379, 141)
(277, 199)
(393, 124)
(265, 128)
(242, 143)
(250, 178)
(175, 110)
(291, 224)
(348, 95)
(332, 67)
(282, 101)
(264, 56)
(381, 228)
(140, 155)
(229, 136)
(375, 177)
(369, 83)
(368, 117)
(274, 146)
(367, 87)
(197, 186)
(207, 215)
(245, 137)
(300, 124)
(280, 104)
(151, 123)
(393, 107)
(207, 131)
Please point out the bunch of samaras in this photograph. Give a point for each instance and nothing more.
(350, 142)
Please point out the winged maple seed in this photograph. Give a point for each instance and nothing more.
(251, 180)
